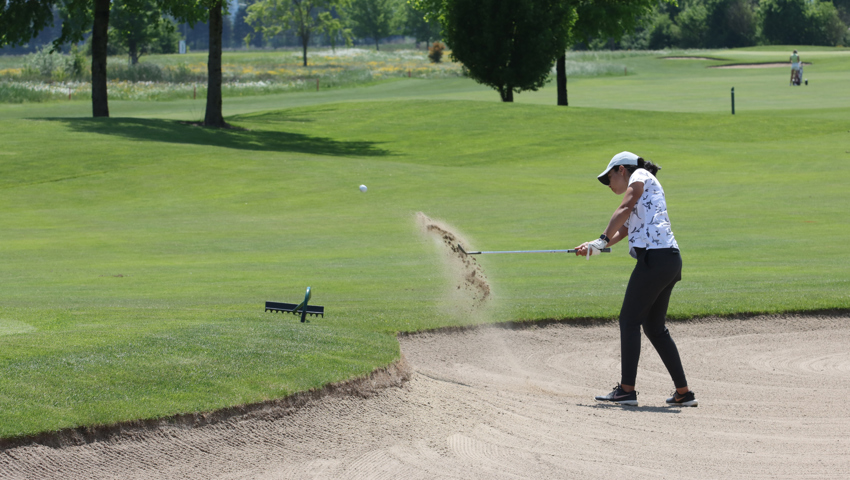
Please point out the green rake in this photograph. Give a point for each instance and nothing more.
(303, 308)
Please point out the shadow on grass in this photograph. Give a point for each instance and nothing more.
(279, 117)
(170, 131)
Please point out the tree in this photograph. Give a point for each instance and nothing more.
(242, 31)
(21, 20)
(372, 19)
(334, 29)
(44, 37)
(417, 26)
(214, 11)
(591, 18)
(843, 9)
(800, 22)
(663, 33)
(432, 10)
(826, 27)
(140, 27)
(693, 27)
(608, 18)
(730, 24)
(784, 21)
(193, 11)
(509, 45)
(213, 116)
(99, 40)
(272, 17)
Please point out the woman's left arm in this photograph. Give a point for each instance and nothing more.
(633, 193)
(622, 234)
(616, 230)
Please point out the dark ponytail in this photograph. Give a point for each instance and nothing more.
(646, 165)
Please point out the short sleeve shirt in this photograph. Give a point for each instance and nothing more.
(649, 224)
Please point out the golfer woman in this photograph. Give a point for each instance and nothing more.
(795, 69)
(642, 217)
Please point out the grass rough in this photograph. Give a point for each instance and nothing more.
(138, 251)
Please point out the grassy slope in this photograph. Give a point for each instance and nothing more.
(137, 252)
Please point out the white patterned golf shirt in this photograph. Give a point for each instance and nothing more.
(648, 224)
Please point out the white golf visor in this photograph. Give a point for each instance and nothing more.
(622, 158)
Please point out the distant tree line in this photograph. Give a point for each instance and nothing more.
(735, 23)
(362, 22)
(685, 24)
(510, 45)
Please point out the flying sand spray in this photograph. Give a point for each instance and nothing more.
(471, 290)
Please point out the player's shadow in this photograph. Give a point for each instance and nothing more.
(637, 409)
(176, 132)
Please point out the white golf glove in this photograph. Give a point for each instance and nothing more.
(595, 247)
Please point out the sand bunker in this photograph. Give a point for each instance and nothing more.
(757, 65)
(498, 403)
(469, 281)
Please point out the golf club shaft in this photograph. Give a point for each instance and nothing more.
(572, 250)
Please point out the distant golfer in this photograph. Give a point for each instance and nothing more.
(796, 74)
(642, 217)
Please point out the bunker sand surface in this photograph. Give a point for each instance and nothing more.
(495, 402)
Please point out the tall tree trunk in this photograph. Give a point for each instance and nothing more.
(133, 47)
(561, 69)
(507, 94)
(99, 38)
(213, 115)
(305, 38)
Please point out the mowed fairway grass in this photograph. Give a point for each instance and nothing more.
(136, 253)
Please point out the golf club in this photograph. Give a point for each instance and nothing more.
(572, 250)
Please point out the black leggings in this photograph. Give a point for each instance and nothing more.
(647, 297)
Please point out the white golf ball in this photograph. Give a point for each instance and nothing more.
(362, 188)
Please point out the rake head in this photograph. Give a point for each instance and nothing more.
(302, 308)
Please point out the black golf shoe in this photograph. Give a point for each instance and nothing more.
(685, 400)
(620, 396)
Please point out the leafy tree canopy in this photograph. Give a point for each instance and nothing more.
(416, 25)
(273, 17)
(432, 10)
(21, 20)
(509, 45)
(791, 22)
(375, 19)
(608, 18)
(139, 27)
